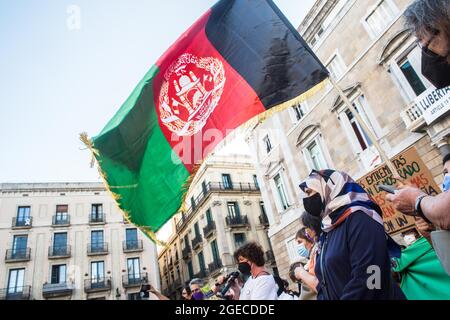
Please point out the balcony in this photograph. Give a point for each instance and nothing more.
(134, 280)
(18, 255)
(214, 187)
(237, 221)
(97, 285)
(133, 246)
(263, 220)
(58, 252)
(201, 274)
(61, 221)
(99, 248)
(197, 241)
(96, 219)
(214, 267)
(186, 253)
(22, 223)
(268, 255)
(209, 229)
(53, 290)
(16, 293)
(413, 117)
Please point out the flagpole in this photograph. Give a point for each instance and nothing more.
(365, 127)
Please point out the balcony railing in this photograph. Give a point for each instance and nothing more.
(61, 221)
(58, 252)
(268, 255)
(97, 284)
(97, 219)
(197, 241)
(263, 220)
(237, 221)
(22, 223)
(214, 266)
(209, 229)
(97, 248)
(413, 117)
(215, 187)
(50, 290)
(134, 280)
(18, 255)
(16, 293)
(186, 253)
(133, 246)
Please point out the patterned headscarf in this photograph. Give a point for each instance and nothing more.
(341, 196)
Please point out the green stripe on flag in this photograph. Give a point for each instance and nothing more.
(137, 161)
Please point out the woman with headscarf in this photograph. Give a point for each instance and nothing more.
(353, 258)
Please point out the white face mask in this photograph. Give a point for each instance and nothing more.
(409, 239)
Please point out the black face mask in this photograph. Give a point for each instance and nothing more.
(244, 268)
(436, 69)
(314, 205)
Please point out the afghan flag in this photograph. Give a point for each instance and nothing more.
(240, 59)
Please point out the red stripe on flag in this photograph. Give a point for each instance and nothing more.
(199, 97)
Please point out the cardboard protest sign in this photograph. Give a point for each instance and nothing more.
(411, 168)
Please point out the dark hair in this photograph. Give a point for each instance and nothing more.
(446, 158)
(251, 251)
(187, 288)
(302, 234)
(428, 17)
(311, 222)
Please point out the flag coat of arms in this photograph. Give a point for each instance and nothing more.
(239, 60)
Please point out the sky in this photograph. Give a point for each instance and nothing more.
(60, 77)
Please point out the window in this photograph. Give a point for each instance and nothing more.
(23, 216)
(98, 273)
(215, 251)
(263, 209)
(133, 268)
(60, 244)
(190, 270)
(204, 187)
(186, 241)
(59, 273)
(97, 241)
(201, 261)
(61, 214)
(233, 210)
(97, 213)
(281, 190)
(196, 230)
(239, 239)
(300, 111)
(134, 296)
(315, 156)
(255, 180)
(226, 180)
(361, 136)
(19, 247)
(208, 216)
(380, 17)
(15, 282)
(131, 238)
(193, 203)
(267, 143)
(336, 66)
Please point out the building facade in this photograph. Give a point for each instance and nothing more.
(377, 63)
(225, 210)
(70, 241)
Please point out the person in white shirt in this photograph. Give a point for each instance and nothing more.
(260, 284)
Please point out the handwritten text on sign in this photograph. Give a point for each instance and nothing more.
(410, 168)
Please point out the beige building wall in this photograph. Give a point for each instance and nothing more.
(367, 65)
(217, 195)
(42, 199)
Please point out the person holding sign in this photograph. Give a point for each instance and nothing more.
(353, 260)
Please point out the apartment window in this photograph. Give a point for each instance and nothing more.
(186, 241)
(300, 111)
(190, 270)
(60, 243)
(97, 241)
(226, 180)
(131, 238)
(23, 216)
(336, 66)
(255, 181)
(193, 203)
(358, 132)
(215, 251)
(196, 230)
(380, 17)
(59, 273)
(15, 282)
(97, 273)
(281, 190)
(267, 143)
(201, 261)
(97, 213)
(233, 210)
(133, 268)
(208, 216)
(239, 239)
(204, 187)
(19, 247)
(263, 209)
(61, 214)
(315, 156)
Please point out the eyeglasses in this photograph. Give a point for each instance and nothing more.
(425, 45)
(195, 290)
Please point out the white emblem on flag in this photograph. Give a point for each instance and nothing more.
(190, 92)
